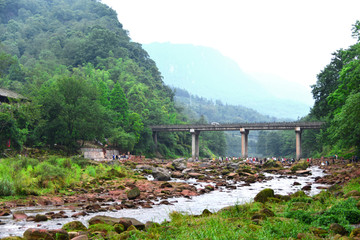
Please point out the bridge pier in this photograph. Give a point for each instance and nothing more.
(195, 144)
(155, 139)
(298, 142)
(244, 142)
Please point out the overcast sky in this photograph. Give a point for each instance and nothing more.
(292, 40)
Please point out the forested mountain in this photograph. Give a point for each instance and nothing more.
(85, 78)
(205, 72)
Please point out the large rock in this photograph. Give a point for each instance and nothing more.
(179, 164)
(133, 193)
(161, 174)
(103, 220)
(264, 195)
(37, 234)
(74, 226)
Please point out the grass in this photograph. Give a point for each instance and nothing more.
(22, 176)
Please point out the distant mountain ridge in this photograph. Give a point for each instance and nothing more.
(205, 72)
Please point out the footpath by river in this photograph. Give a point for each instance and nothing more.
(215, 200)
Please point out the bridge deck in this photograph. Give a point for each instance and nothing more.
(237, 126)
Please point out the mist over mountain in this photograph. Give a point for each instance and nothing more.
(205, 72)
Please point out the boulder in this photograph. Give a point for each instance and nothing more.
(338, 229)
(139, 225)
(161, 174)
(59, 234)
(40, 218)
(103, 220)
(179, 164)
(74, 226)
(37, 234)
(133, 193)
(19, 216)
(264, 195)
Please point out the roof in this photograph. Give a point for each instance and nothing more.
(10, 94)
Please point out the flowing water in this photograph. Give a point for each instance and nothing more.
(213, 201)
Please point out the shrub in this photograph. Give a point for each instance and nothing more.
(6, 187)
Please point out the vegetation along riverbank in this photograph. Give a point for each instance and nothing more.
(89, 187)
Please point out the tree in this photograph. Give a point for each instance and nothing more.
(119, 104)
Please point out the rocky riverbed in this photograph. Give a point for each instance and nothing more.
(174, 185)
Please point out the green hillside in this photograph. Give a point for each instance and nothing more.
(85, 79)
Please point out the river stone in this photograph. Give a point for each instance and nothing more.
(74, 226)
(80, 237)
(338, 229)
(139, 225)
(59, 234)
(161, 174)
(40, 218)
(37, 234)
(263, 195)
(133, 193)
(103, 220)
(179, 164)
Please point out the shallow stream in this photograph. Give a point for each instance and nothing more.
(213, 201)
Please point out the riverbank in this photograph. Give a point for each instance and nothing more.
(210, 176)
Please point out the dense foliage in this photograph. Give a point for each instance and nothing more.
(337, 101)
(85, 78)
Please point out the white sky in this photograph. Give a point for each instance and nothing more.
(292, 40)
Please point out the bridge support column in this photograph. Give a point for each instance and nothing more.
(298, 142)
(244, 142)
(195, 144)
(155, 139)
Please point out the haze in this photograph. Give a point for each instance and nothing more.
(277, 41)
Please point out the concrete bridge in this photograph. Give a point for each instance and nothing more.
(244, 129)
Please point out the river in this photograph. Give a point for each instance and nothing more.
(213, 201)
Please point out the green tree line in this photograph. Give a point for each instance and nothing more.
(85, 81)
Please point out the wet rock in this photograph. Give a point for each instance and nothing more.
(166, 185)
(179, 164)
(80, 237)
(264, 195)
(206, 212)
(338, 229)
(188, 193)
(133, 193)
(74, 226)
(5, 212)
(37, 234)
(177, 174)
(19, 216)
(306, 188)
(195, 175)
(139, 225)
(296, 183)
(103, 220)
(79, 214)
(210, 187)
(161, 174)
(232, 175)
(59, 234)
(40, 218)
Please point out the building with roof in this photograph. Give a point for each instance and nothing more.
(7, 95)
